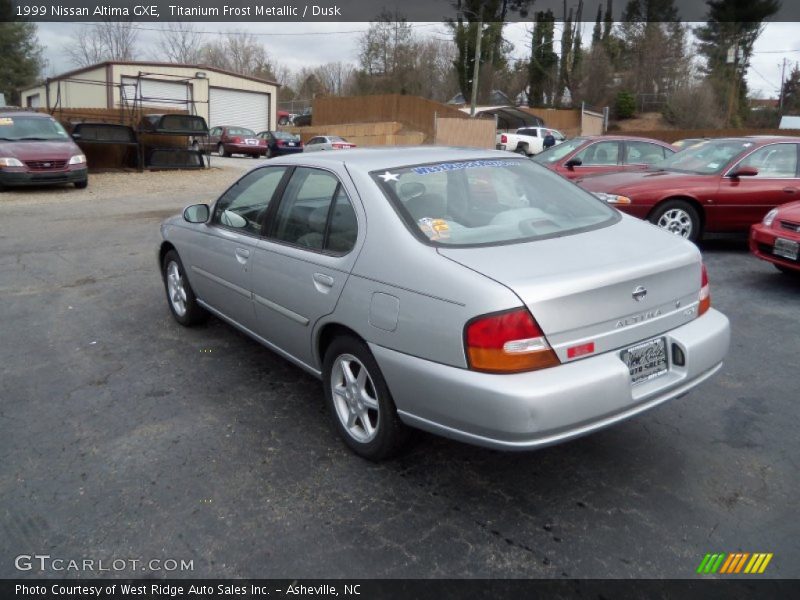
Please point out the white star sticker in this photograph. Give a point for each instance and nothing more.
(387, 177)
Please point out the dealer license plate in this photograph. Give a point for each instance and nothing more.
(251, 142)
(291, 143)
(786, 248)
(646, 361)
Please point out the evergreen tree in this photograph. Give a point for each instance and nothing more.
(20, 55)
(732, 27)
(791, 92)
(542, 68)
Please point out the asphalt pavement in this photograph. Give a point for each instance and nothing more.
(126, 436)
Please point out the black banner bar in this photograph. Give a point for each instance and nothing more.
(403, 589)
(246, 11)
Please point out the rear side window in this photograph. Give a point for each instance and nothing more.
(316, 213)
(490, 202)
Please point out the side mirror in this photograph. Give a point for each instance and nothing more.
(572, 163)
(196, 213)
(744, 172)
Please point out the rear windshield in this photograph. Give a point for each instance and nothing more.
(240, 131)
(556, 153)
(15, 128)
(282, 135)
(489, 202)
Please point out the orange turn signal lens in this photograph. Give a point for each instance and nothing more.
(705, 293)
(507, 342)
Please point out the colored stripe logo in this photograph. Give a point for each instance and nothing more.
(737, 562)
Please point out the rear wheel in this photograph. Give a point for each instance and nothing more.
(221, 150)
(678, 217)
(359, 401)
(523, 150)
(180, 296)
(269, 152)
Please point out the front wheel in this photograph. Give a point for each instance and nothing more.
(180, 296)
(359, 401)
(82, 185)
(678, 217)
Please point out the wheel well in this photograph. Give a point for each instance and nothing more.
(693, 202)
(329, 333)
(162, 252)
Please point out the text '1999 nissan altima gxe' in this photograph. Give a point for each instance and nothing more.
(467, 293)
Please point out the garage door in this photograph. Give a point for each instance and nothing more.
(157, 92)
(234, 107)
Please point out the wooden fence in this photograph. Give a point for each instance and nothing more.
(390, 133)
(472, 133)
(415, 113)
(673, 135)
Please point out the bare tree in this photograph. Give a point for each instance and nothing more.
(336, 77)
(180, 43)
(108, 40)
(240, 52)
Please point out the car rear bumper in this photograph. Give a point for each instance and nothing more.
(762, 241)
(244, 149)
(283, 150)
(530, 410)
(25, 178)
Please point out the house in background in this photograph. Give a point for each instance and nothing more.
(221, 97)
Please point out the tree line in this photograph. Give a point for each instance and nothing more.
(645, 61)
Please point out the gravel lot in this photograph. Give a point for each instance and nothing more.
(126, 436)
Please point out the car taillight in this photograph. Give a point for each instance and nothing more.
(504, 139)
(338, 146)
(705, 293)
(507, 342)
(279, 142)
(236, 140)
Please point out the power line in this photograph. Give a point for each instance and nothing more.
(764, 78)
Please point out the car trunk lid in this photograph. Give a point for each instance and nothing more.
(597, 291)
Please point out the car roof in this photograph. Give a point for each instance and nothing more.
(622, 138)
(389, 157)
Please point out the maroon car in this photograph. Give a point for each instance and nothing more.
(719, 185)
(590, 155)
(226, 140)
(777, 238)
(36, 150)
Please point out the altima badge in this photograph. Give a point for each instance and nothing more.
(639, 293)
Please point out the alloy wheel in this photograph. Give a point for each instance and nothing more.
(355, 398)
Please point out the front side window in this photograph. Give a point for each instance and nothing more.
(556, 153)
(776, 161)
(706, 158)
(599, 154)
(489, 202)
(244, 206)
(315, 213)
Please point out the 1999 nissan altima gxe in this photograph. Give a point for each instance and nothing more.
(467, 293)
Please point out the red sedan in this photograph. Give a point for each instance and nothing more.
(595, 154)
(724, 184)
(777, 238)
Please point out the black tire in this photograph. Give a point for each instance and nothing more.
(221, 150)
(83, 184)
(521, 150)
(678, 217)
(194, 313)
(390, 433)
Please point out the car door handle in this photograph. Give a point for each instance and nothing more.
(790, 190)
(323, 282)
(242, 254)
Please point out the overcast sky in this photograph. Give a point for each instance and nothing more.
(308, 44)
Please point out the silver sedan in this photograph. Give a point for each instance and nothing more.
(469, 293)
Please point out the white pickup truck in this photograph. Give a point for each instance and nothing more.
(526, 140)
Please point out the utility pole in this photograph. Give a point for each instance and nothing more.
(783, 73)
(476, 66)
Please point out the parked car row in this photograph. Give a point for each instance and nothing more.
(229, 140)
(696, 186)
